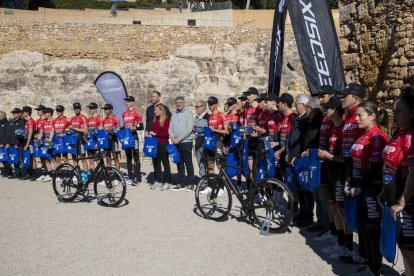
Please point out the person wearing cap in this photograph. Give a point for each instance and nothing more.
(274, 120)
(248, 117)
(40, 121)
(261, 113)
(79, 124)
(243, 100)
(94, 123)
(352, 96)
(60, 124)
(4, 134)
(46, 135)
(15, 138)
(334, 163)
(200, 122)
(181, 135)
(111, 125)
(285, 106)
(133, 120)
(30, 129)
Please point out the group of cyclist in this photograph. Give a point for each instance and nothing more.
(358, 158)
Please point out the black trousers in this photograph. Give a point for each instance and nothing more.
(162, 157)
(133, 154)
(306, 204)
(186, 159)
(371, 239)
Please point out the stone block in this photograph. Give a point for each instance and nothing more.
(350, 61)
(346, 12)
(403, 61)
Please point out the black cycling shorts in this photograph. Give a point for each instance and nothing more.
(210, 155)
(324, 174)
(405, 223)
(113, 148)
(336, 181)
(369, 210)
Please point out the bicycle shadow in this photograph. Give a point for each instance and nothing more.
(338, 267)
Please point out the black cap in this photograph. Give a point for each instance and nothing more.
(354, 89)
(242, 97)
(272, 97)
(60, 108)
(212, 100)
(326, 89)
(77, 106)
(129, 99)
(40, 107)
(334, 102)
(48, 110)
(251, 90)
(16, 110)
(27, 109)
(287, 98)
(261, 97)
(108, 106)
(231, 101)
(92, 106)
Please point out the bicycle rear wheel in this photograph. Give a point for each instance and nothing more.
(213, 197)
(109, 191)
(65, 182)
(272, 201)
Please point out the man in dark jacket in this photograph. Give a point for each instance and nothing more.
(16, 137)
(4, 134)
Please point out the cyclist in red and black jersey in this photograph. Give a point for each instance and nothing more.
(398, 175)
(30, 129)
(367, 180)
(248, 117)
(261, 114)
(79, 124)
(133, 120)
(274, 119)
(232, 117)
(39, 122)
(46, 134)
(94, 123)
(111, 125)
(60, 123)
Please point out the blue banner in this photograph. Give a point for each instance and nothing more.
(113, 90)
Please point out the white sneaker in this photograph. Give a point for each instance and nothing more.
(40, 178)
(102, 183)
(74, 180)
(206, 191)
(331, 249)
(47, 178)
(128, 181)
(59, 180)
(222, 191)
(166, 187)
(156, 185)
(116, 182)
(178, 187)
(324, 237)
(344, 252)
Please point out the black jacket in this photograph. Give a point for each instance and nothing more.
(4, 131)
(20, 123)
(150, 116)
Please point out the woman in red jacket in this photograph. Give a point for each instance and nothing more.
(159, 129)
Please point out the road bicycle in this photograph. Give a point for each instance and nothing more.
(269, 203)
(108, 183)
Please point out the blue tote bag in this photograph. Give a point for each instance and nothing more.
(150, 146)
(58, 142)
(314, 170)
(173, 153)
(233, 160)
(271, 163)
(291, 180)
(102, 138)
(261, 170)
(236, 138)
(70, 144)
(26, 159)
(388, 240)
(126, 138)
(351, 213)
(13, 155)
(4, 154)
(209, 139)
(302, 171)
(245, 158)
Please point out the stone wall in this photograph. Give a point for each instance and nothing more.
(378, 44)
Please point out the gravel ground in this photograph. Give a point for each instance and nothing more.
(153, 233)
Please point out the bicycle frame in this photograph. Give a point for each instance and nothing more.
(94, 173)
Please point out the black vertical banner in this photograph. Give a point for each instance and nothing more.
(317, 43)
(276, 49)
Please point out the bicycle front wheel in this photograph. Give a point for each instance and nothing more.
(272, 201)
(213, 197)
(65, 182)
(110, 189)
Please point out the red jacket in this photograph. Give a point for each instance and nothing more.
(161, 131)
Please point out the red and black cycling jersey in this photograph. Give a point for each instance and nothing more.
(39, 123)
(94, 122)
(131, 118)
(60, 124)
(217, 121)
(274, 122)
(286, 127)
(30, 125)
(325, 133)
(262, 116)
(366, 150)
(232, 118)
(350, 131)
(248, 117)
(79, 121)
(110, 123)
(47, 128)
(335, 140)
(398, 155)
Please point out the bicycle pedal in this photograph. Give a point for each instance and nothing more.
(265, 227)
